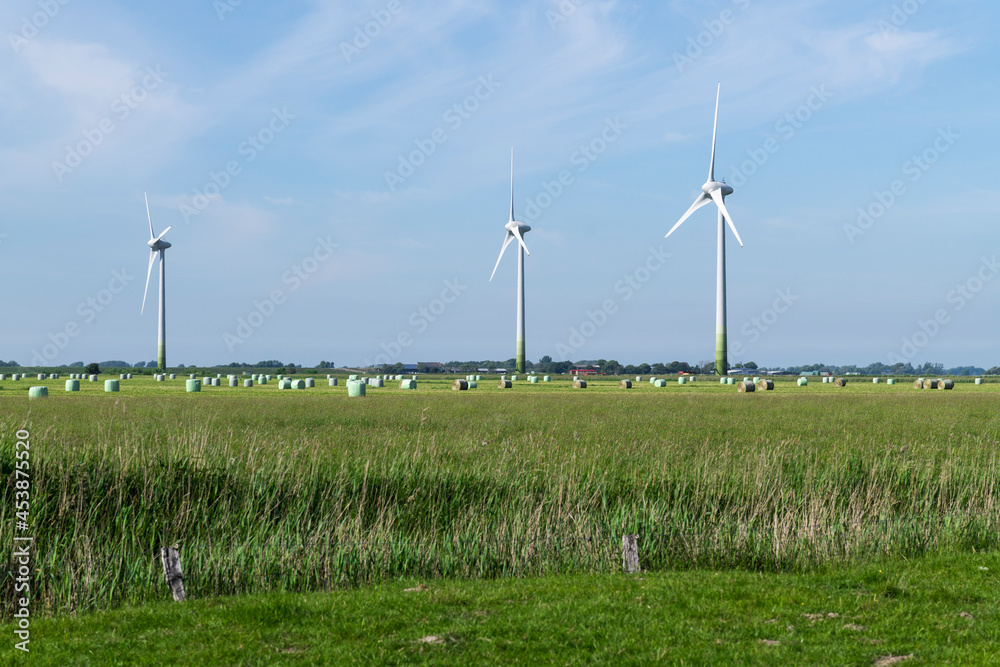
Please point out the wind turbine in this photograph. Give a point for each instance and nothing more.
(516, 230)
(716, 191)
(157, 245)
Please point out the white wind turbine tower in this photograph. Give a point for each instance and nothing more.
(716, 191)
(516, 230)
(157, 245)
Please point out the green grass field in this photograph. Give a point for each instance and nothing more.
(271, 492)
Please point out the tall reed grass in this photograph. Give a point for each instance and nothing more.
(315, 493)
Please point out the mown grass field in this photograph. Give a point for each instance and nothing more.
(272, 491)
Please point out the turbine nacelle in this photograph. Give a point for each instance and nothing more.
(520, 227)
(717, 185)
(158, 244)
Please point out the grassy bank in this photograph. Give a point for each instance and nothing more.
(929, 611)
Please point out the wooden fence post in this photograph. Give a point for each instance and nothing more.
(630, 554)
(172, 571)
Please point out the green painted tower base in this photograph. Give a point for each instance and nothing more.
(721, 362)
(520, 355)
(161, 358)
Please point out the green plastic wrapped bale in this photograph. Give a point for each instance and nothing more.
(890, 381)
(72, 385)
(299, 384)
(723, 380)
(332, 382)
(248, 382)
(3, 377)
(42, 376)
(533, 379)
(802, 382)
(128, 376)
(979, 380)
(479, 378)
(377, 382)
(874, 380)
(513, 378)
(756, 380)
(473, 384)
(352, 377)
(659, 383)
(682, 380)
(193, 376)
(408, 384)
(38, 392)
(173, 376)
(193, 385)
(356, 388)
(233, 382)
(284, 384)
(93, 378)
(652, 380)
(111, 385)
(262, 380)
(730, 381)
(310, 382)
(216, 382)
(546, 378)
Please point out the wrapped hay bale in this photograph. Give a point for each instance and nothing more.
(766, 385)
(802, 382)
(504, 384)
(946, 384)
(407, 384)
(462, 385)
(579, 384)
(625, 384)
(840, 382)
(38, 392)
(745, 387)
(930, 384)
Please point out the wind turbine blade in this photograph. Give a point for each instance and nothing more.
(720, 202)
(715, 128)
(152, 234)
(149, 272)
(520, 239)
(163, 234)
(512, 184)
(506, 242)
(698, 203)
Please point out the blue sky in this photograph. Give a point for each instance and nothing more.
(342, 170)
